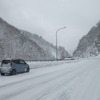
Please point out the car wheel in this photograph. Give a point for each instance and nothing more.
(28, 69)
(2, 74)
(13, 72)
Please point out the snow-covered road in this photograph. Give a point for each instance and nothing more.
(79, 80)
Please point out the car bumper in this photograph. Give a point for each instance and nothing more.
(5, 70)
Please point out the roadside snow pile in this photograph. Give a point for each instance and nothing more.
(39, 64)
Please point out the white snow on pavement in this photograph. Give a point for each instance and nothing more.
(75, 80)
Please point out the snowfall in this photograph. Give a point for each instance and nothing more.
(56, 80)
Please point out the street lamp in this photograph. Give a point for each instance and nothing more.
(56, 41)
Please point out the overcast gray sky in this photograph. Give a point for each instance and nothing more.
(45, 17)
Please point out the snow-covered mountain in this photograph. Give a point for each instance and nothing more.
(15, 43)
(89, 45)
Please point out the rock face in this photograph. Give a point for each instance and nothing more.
(15, 43)
(89, 45)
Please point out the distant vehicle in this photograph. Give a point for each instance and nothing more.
(13, 66)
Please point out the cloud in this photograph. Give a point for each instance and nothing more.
(44, 17)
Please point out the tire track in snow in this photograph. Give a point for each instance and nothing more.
(89, 69)
(29, 78)
(39, 83)
(58, 77)
(87, 89)
(30, 86)
(35, 77)
(58, 86)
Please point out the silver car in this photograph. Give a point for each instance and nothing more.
(13, 66)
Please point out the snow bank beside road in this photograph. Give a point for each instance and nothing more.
(39, 64)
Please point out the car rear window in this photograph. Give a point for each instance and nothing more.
(5, 61)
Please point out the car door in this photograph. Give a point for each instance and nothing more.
(17, 65)
(23, 64)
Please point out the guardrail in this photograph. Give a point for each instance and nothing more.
(47, 60)
(43, 60)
